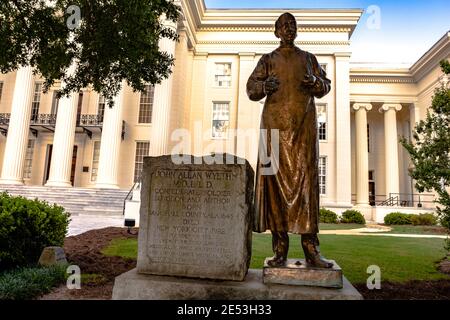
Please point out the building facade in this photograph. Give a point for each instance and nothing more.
(80, 142)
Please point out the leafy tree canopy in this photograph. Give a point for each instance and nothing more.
(115, 40)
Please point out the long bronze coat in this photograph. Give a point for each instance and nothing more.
(289, 200)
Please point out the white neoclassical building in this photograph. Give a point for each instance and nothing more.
(79, 143)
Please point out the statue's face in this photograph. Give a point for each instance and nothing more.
(287, 29)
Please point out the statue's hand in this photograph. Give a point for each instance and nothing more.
(309, 82)
(271, 85)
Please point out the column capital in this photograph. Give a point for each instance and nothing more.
(168, 23)
(357, 106)
(388, 106)
(342, 55)
(200, 55)
(247, 55)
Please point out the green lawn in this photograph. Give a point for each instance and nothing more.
(340, 226)
(400, 259)
(408, 229)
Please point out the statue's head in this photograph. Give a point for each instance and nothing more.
(286, 28)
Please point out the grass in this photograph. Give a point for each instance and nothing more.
(340, 226)
(400, 259)
(30, 283)
(409, 229)
(92, 279)
(125, 248)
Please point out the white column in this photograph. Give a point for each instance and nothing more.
(108, 165)
(248, 113)
(343, 134)
(63, 141)
(162, 103)
(362, 155)
(414, 117)
(391, 147)
(19, 128)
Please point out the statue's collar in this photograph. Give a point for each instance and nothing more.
(284, 45)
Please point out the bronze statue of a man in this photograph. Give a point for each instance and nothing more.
(288, 201)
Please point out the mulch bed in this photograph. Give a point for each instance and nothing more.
(413, 290)
(85, 251)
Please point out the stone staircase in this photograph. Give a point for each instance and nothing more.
(77, 201)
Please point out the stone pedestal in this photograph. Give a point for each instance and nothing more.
(297, 273)
(134, 286)
(196, 219)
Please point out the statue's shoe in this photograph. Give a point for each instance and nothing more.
(277, 261)
(318, 262)
(310, 245)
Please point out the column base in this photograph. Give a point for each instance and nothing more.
(17, 182)
(106, 186)
(58, 184)
(347, 205)
(363, 205)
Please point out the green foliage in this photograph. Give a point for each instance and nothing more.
(117, 40)
(445, 66)
(30, 283)
(327, 216)
(397, 218)
(27, 227)
(353, 216)
(430, 150)
(425, 219)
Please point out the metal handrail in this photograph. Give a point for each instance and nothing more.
(406, 199)
(4, 118)
(138, 182)
(90, 120)
(390, 202)
(43, 119)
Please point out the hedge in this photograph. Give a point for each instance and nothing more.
(26, 228)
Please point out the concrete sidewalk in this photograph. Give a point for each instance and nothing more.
(379, 231)
(83, 223)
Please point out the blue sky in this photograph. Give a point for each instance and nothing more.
(407, 28)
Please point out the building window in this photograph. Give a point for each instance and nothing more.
(101, 108)
(146, 104)
(55, 103)
(95, 160)
(323, 175)
(28, 160)
(322, 121)
(142, 150)
(223, 75)
(1, 90)
(36, 100)
(221, 120)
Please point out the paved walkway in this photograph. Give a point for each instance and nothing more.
(83, 223)
(380, 231)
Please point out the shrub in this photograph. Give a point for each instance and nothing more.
(30, 283)
(425, 219)
(352, 216)
(327, 216)
(27, 227)
(397, 218)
